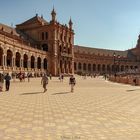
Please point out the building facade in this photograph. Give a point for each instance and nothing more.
(101, 61)
(37, 46)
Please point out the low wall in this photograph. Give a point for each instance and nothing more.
(125, 80)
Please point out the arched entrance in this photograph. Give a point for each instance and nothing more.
(1, 56)
(122, 68)
(108, 68)
(32, 62)
(75, 66)
(79, 66)
(45, 64)
(18, 56)
(84, 67)
(39, 63)
(99, 68)
(25, 61)
(89, 67)
(94, 67)
(9, 58)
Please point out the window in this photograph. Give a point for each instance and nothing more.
(70, 40)
(42, 35)
(45, 47)
(46, 35)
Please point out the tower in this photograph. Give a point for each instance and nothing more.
(70, 23)
(53, 13)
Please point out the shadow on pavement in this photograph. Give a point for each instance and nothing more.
(60, 93)
(132, 90)
(31, 93)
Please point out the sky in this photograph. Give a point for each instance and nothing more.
(107, 24)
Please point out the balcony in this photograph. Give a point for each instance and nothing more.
(66, 54)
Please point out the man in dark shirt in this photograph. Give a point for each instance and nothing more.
(72, 82)
(7, 81)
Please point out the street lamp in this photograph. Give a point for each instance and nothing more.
(114, 68)
(118, 61)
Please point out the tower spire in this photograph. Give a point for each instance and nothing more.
(70, 23)
(53, 13)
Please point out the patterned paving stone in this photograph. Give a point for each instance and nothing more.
(97, 110)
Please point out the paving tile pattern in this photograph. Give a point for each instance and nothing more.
(97, 110)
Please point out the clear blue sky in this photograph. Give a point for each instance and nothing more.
(111, 24)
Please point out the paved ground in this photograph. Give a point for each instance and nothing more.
(97, 110)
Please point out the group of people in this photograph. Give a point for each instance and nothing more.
(44, 81)
(7, 79)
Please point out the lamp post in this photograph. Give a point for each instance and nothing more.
(118, 57)
(114, 68)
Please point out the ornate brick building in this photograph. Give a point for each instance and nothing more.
(94, 60)
(37, 46)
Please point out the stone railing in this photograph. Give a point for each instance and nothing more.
(126, 79)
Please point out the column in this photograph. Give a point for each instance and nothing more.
(62, 66)
(13, 63)
(29, 64)
(3, 60)
(35, 63)
(42, 64)
(21, 63)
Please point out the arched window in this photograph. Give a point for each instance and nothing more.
(46, 35)
(136, 67)
(99, 67)
(94, 67)
(45, 47)
(103, 67)
(75, 66)
(32, 62)
(122, 68)
(89, 67)
(9, 58)
(113, 68)
(79, 66)
(45, 64)
(39, 63)
(1, 58)
(25, 61)
(84, 66)
(108, 68)
(18, 56)
(42, 35)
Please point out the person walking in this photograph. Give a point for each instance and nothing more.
(62, 77)
(7, 81)
(28, 76)
(1, 81)
(44, 81)
(72, 82)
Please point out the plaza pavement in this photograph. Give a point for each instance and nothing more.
(97, 110)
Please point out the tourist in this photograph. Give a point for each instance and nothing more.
(28, 77)
(7, 81)
(14, 76)
(72, 82)
(44, 81)
(1, 81)
(62, 77)
(20, 77)
(135, 81)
